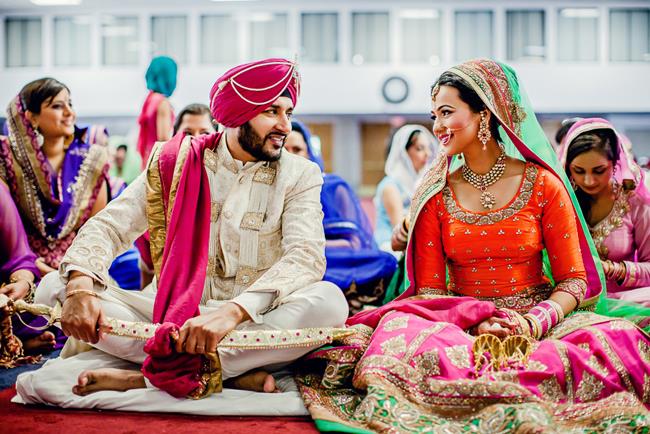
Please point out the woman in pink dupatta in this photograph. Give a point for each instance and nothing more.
(616, 203)
(434, 359)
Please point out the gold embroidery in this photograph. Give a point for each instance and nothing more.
(252, 221)
(621, 325)
(614, 220)
(458, 355)
(394, 346)
(575, 322)
(155, 210)
(422, 336)
(589, 388)
(563, 351)
(396, 323)
(470, 218)
(210, 160)
(428, 362)
(245, 275)
(574, 287)
(215, 267)
(646, 388)
(265, 175)
(551, 390)
(522, 301)
(215, 209)
(613, 358)
(644, 351)
(536, 365)
(585, 346)
(594, 364)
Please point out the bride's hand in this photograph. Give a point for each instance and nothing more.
(500, 327)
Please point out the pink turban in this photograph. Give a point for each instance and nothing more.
(247, 90)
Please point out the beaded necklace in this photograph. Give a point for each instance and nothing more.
(482, 182)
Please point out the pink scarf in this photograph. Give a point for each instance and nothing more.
(183, 268)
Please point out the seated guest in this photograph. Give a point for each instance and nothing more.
(195, 120)
(616, 203)
(411, 149)
(237, 242)
(18, 272)
(56, 180)
(354, 263)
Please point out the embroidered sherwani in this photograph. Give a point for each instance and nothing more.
(266, 251)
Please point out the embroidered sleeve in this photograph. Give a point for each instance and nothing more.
(303, 240)
(572, 286)
(109, 233)
(638, 272)
(560, 234)
(429, 261)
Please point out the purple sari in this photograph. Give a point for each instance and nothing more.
(52, 205)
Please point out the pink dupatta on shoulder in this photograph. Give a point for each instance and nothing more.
(186, 196)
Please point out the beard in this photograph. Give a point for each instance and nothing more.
(253, 143)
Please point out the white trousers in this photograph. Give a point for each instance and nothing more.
(321, 304)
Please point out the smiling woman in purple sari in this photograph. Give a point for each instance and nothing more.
(496, 331)
(56, 180)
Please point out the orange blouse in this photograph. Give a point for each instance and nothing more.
(498, 254)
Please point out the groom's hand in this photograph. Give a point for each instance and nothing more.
(201, 334)
(82, 314)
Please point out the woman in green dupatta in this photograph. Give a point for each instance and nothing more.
(496, 330)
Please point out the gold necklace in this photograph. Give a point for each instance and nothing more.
(482, 182)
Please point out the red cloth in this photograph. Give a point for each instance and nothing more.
(183, 267)
(41, 419)
(261, 83)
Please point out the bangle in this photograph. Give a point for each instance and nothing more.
(32, 288)
(80, 291)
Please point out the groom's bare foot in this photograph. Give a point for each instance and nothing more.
(42, 343)
(108, 379)
(256, 381)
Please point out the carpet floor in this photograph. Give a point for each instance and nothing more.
(22, 419)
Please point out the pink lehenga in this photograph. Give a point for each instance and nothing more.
(413, 365)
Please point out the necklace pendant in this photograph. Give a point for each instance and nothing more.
(488, 200)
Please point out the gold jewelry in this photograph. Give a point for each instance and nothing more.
(29, 297)
(484, 133)
(482, 182)
(80, 291)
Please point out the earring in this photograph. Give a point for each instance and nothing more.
(484, 133)
(39, 137)
(573, 184)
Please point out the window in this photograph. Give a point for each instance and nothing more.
(218, 39)
(269, 35)
(169, 37)
(473, 34)
(629, 35)
(320, 37)
(525, 35)
(72, 40)
(23, 42)
(421, 30)
(578, 34)
(120, 40)
(370, 43)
